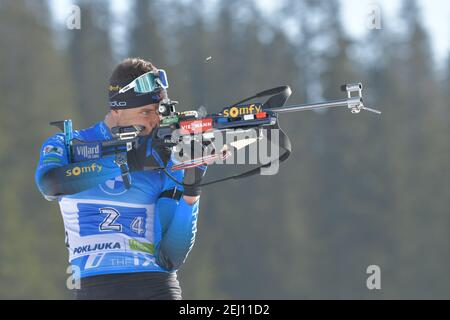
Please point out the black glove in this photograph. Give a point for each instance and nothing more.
(141, 158)
(193, 177)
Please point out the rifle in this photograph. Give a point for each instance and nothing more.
(178, 129)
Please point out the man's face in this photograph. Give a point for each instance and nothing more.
(145, 116)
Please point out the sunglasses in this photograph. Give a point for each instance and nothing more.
(146, 83)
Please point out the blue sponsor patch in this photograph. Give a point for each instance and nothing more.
(87, 151)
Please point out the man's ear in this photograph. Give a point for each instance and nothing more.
(113, 117)
(115, 114)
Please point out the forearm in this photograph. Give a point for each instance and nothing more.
(75, 177)
(179, 237)
(191, 200)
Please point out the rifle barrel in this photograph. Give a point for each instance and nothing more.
(312, 106)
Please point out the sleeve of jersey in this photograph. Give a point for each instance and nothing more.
(55, 176)
(178, 221)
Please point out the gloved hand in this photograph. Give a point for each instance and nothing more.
(136, 157)
(193, 177)
(142, 158)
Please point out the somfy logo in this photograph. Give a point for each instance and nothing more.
(76, 171)
(374, 281)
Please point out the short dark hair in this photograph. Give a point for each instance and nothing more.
(130, 68)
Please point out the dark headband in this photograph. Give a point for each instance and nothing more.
(131, 99)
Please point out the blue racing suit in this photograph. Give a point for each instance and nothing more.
(108, 228)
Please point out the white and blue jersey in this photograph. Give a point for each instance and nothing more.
(110, 229)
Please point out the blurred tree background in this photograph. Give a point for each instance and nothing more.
(357, 191)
